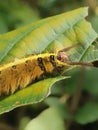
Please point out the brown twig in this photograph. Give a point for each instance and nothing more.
(76, 98)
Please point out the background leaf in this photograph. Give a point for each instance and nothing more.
(46, 121)
(15, 15)
(87, 113)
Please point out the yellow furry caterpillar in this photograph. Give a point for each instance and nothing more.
(19, 74)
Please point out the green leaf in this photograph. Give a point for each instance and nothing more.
(59, 104)
(15, 15)
(50, 119)
(94, 22)
(50, 34)
(87, 113)
(90, 83)
(23, 122)
(33, 94)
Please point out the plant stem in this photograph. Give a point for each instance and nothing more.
(76, 98)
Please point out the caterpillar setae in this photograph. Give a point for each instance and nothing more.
(25, 71)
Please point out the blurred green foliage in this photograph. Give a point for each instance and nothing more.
(16, 13)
